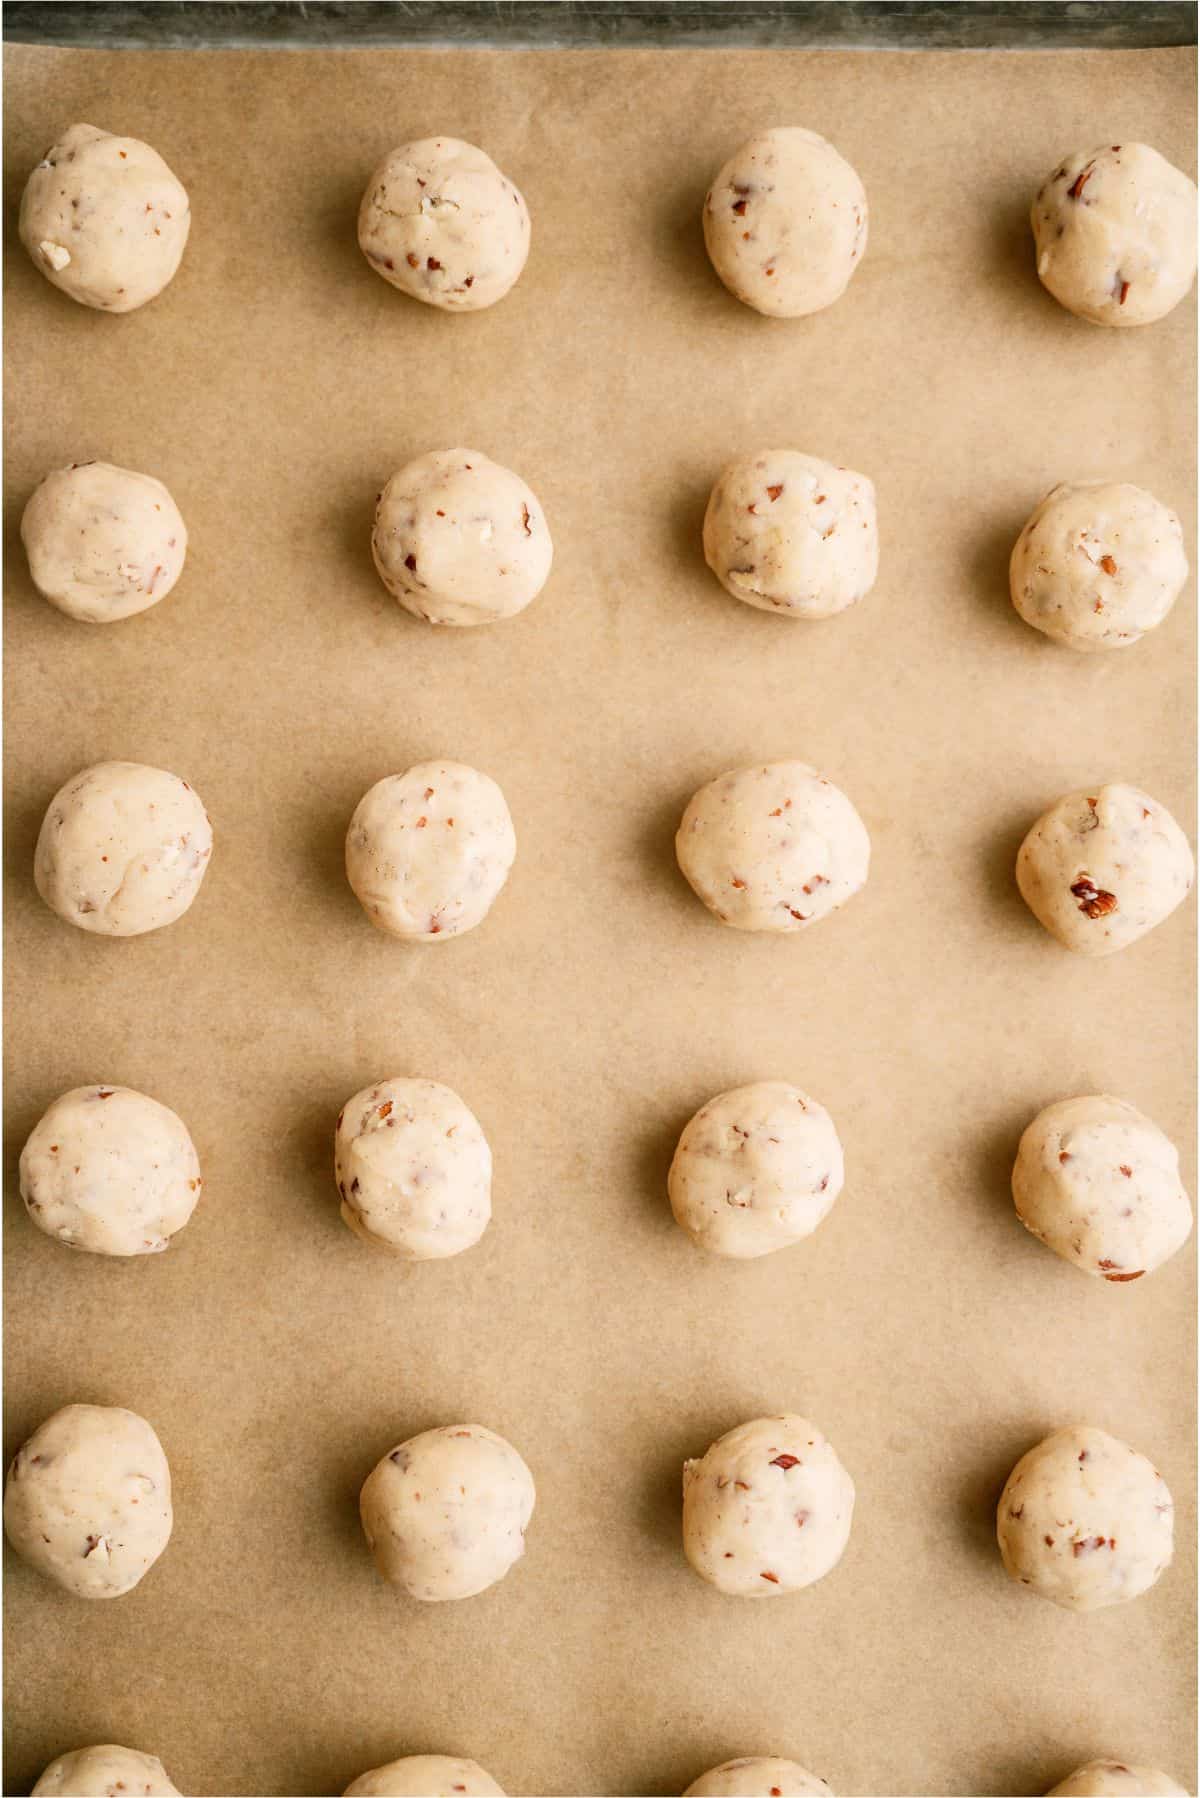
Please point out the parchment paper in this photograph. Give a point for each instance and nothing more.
(274, 387)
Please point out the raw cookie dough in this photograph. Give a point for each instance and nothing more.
(1085, 1521)
(1100, 869)
(88, 1500)
(785, 223)
(425, 1776)
(427, 852)
(445, 1513)
(109, 1170)
(440, 222)
(767, 1509)
(103, 542)
(105, 1771)
(104, 219)
(1117, 1779)
(414, 1169)
(755, 1170)
(791, 534)
(1098, 565)
(773, 847)
(122, 849)
(758, 1776)
(460, 540)
(1115, 230)
(1099, 1184)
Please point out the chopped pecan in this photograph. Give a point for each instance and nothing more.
(1094, 902)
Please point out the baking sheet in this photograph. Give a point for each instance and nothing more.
(274, 387)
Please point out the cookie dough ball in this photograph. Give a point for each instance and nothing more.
(414, 1170)
(104, 219)
(105, 1770)
(767, 1509)
(109, 1170)
(440, 222)
(103, 542)
(1085, 1521)
(1099, 1184)
(425, 1776)
(756, 1170)
(1115, 230)
(427, 852)
(1100, 869)
(773, 847)
(785, 223)
(88, 1500)
(123, 849)
(460, 540)
(759, 1776)
(1117, 1779)
(445, 1514)
(792, 535)
(1098, 565)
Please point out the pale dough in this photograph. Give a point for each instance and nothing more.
(123, 849)
(1099, 1184)
(774, 847)
(1117, 1779)
(428, 851)
(440, 222)
(105, 1771)
(413, 1169)
(445, 1513)
(758, 1776)
(109, 1170)
(460, 540)
(88, 1500)
(1085, 1521)
(755, 1170)
(792, 535)
(425, 1776)
(785, 222)
(1100, 869)
(1115, 230)
(1098, 565)
(103, 542)
(104, 219)
(767, 1510)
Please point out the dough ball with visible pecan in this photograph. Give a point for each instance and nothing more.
(88, 1500)
(102, 1771)
(104, 219)
(426, 1776)
(1098, 1183)
(1100, 869)
(123, 849)
(1085, 1521)
(759, 1776)
(790, 534)
(1117, 1779)
(445, 1513)
(767, 1509)
(460, 540)
(414, 1169)
(103, 542)
(785, 222)
(1115, 230)
(439, 221)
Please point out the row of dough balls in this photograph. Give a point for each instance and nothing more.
(785, 224)
(458, 540)
(123, 849)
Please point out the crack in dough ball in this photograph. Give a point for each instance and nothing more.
(767, 1510)
(105, 1771)
(427, 852)
(1117, 1779)
(756, 1170)
(460, 540)
(445, 1513)
(1085, 1521)
(426, 1776)
(785, 223)
(1099, 870)
(439, 221)
(1115, 230)
(88, 1500)
(790, 534)
(414, 1169)
(1098, 565)
(103, 543)
(1098, 1183)
(111, 1171)
(773, 847)
(123, 849)
(759, 1776)
(104, 219)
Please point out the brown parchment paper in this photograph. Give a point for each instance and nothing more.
(274, 387)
